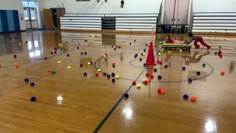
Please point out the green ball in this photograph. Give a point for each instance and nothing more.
(53, 72)
(106, 59)
(160, 42)
(219, 46)
(203, 65)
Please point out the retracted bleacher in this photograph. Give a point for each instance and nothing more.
(219, 22)
(123, 22)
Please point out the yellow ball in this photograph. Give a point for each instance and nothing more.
(99, 70)
(117, 77)
(159, 53)
(138, 86)
(68, 67)
(89, 63)
(59, 62)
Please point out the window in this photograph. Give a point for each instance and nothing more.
(29, 10)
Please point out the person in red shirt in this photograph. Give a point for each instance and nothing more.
(169, 40)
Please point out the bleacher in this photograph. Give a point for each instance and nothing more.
(211, 22)
(123, 22)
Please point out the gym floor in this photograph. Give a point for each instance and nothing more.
(69, 102)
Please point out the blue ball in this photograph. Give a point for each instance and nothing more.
(159, 77)
(85, 74)
(198, 73)
(33, 99)
(185, 97)
(155, 69)
(113, 74)
(113, 80)
(126, 95)
(190, 80)
(108, 76)
(26, 80)
(32, 84)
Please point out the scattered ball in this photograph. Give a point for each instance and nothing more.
(53, 72)
(85, 74)
(117, 77)
(222, 73)
(113, 74)
(68, 55)
(99, 70)
(81, 65)
(198, 73)
(51, 52)
(145, 82)
(17, 66)
(104, 74)
(183, 68)
(126, 95)
(59, 62)
(140, 59)
(49, 70)
(134, 83)
(138, 86)
(193, 99)
(190, 80)
(81, 53)
(33, 99)
(185, 97)
(85, 53)
(166, 66)
(159, 77)
(204, 65)
(32, 84)
(45, 58)
(26, 80)
(108, 76)
(14, 56)
(96, 74)
(78, 48)
(155, 70)
(113, 80)
(68, 67)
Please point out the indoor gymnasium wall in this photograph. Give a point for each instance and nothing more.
(14, 5)
(214, 5)
(112, 6)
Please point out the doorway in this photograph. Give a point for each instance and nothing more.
(30, 14)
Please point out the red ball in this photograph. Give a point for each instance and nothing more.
(49, 70)
(159, 90)
(222, 73)
(145, 82)
(134, 83)
(147, 74)
(161, 63)
(193, 99)
(96, 74)
(152, 76)
(163, 92)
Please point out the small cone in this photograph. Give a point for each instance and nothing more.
(150, 57)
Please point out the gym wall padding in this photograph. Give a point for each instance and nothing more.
(9, 21)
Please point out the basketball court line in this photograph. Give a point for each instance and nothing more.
(115, 105)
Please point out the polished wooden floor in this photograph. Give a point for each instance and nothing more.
(68, 102)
